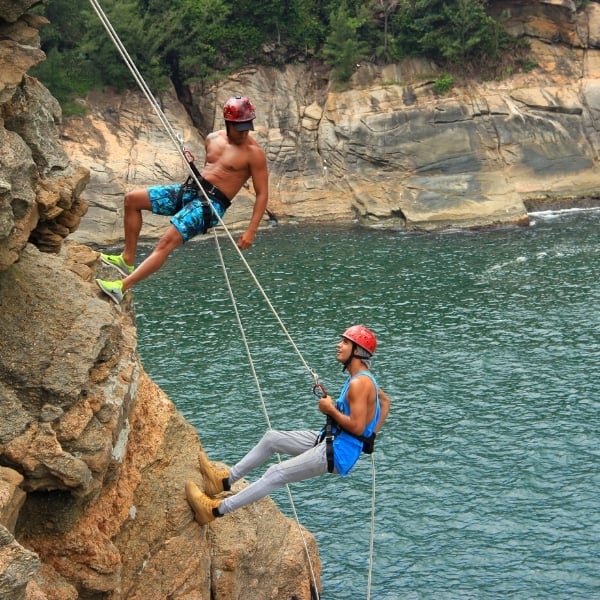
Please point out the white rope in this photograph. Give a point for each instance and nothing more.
(179, 145)
(264, 407)
(372, 536)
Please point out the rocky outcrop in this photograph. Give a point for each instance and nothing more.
(93, 455)
(96, 455)
(40, 189)
(386, 150)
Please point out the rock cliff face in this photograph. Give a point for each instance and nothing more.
(386, 150)
(39, 187)
(93, 455)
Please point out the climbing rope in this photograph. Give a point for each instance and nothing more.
(372, 535)
(178, 143)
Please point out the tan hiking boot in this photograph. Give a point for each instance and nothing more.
(204, 507)
(215, 480)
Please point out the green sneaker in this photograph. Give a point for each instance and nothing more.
(116, 260)
(113, 289)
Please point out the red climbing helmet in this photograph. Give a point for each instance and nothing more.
(239, 111)
(362, 337)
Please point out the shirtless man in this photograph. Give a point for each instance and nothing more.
(232, 157)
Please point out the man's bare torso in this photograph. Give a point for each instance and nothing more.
(229, 161)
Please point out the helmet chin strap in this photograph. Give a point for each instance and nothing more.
(347, 362)
(354, 354)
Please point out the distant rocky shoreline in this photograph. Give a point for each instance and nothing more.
(562, 204)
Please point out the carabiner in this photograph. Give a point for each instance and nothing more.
(319, 390)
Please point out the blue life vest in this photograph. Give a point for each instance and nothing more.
(347, 447)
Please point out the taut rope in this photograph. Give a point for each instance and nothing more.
(179, 145)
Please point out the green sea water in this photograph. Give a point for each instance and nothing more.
(488, 468)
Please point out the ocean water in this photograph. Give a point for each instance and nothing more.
(487, 472)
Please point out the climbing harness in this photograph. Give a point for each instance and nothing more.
(191, 187)
(200, 184)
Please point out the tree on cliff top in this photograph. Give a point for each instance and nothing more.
(343, 49)
(457, 32)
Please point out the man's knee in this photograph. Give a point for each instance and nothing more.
(276, 474)
(137, 200)
(169, 241)
(270, 439)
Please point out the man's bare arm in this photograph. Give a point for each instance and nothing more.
(384, 401)
(260, 182)
(356, 396)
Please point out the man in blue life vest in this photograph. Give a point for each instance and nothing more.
(232, 157)
(352, 422)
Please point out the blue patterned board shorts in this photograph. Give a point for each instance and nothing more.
(188, 216)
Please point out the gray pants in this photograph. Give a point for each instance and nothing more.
(309, 461)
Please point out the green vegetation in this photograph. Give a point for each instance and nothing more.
(343, 49)
(529, 65)
(184, 41)
(442, 85)
(451, 33)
